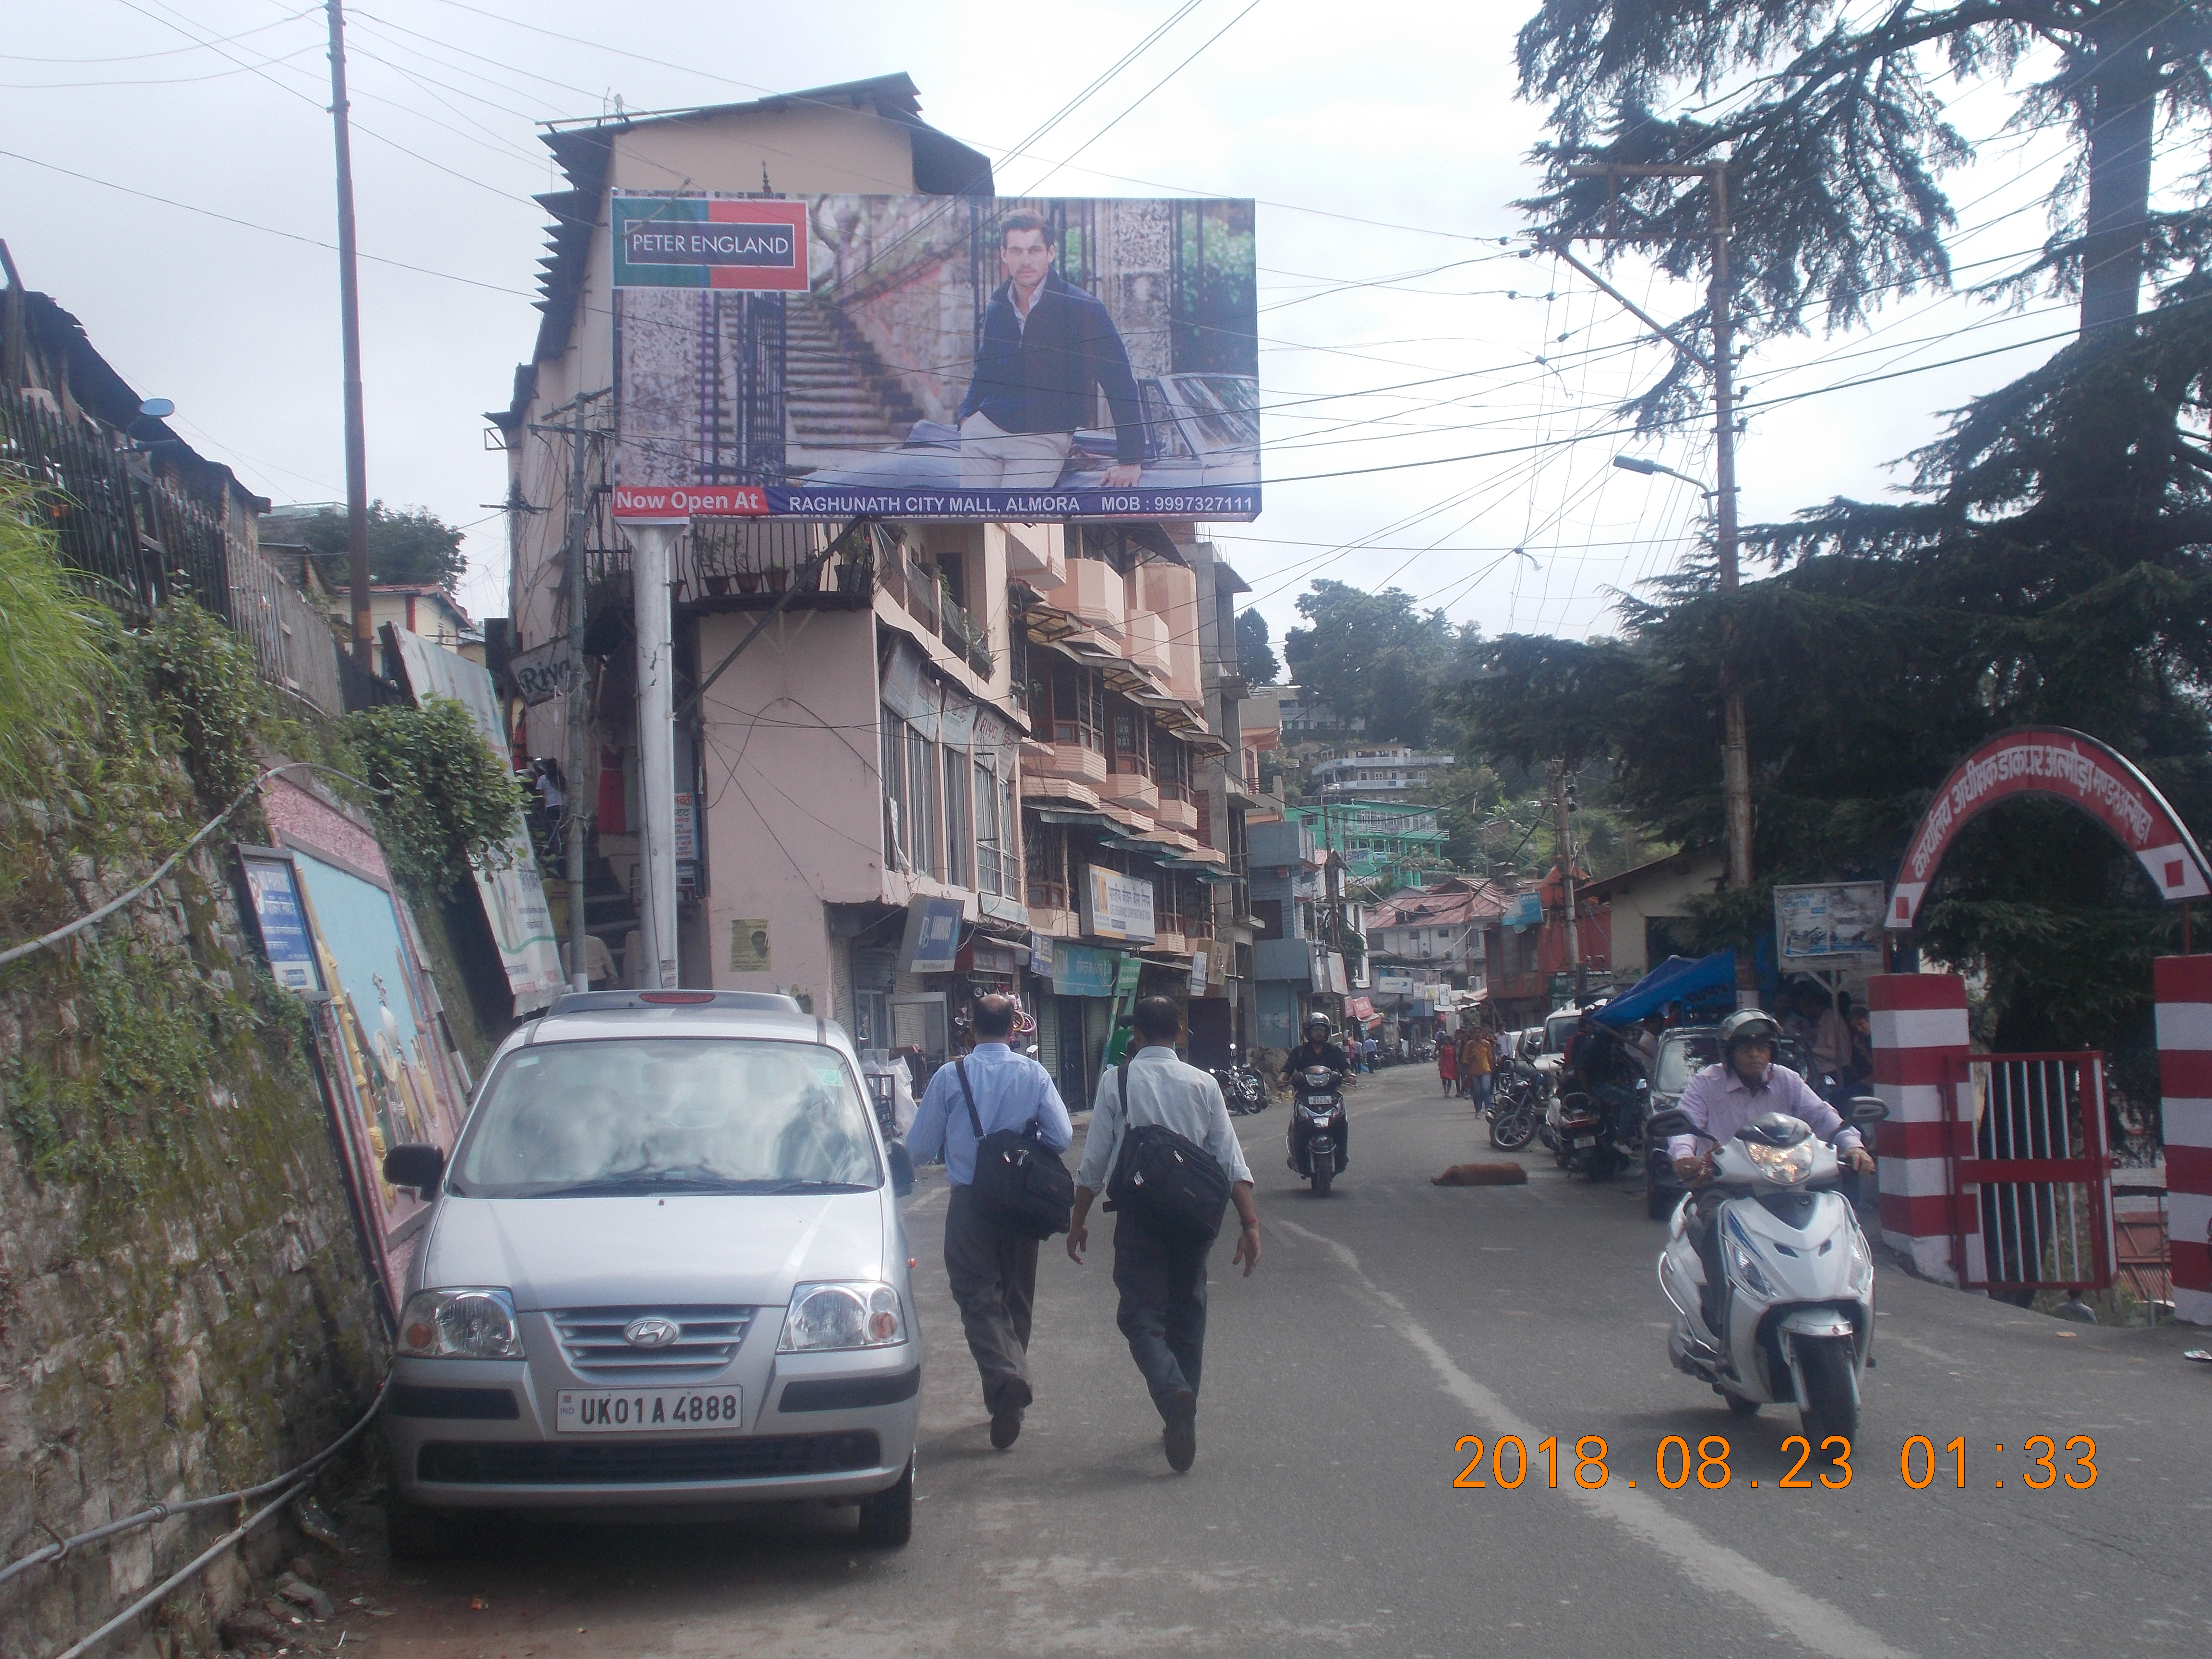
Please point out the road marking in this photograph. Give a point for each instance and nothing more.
(1820, 1626)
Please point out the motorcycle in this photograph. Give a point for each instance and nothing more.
(1317, 1127)
(1793, 1319)
(1592, 1130)
(1516, 1106)
(1243, 1090)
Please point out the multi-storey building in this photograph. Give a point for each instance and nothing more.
(1372, 771)
(1396, 844)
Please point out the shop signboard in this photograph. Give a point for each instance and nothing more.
(273, 883)
(1396, 985)
(1080, 970)
(1143, 404)
(1523, 910)
(1198, 973)
(1830, 922)
(932, 945)
(1117, 906)
(1126, 975)
(1040, 954)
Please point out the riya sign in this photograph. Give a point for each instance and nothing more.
(2064, 765)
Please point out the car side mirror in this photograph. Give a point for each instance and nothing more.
(417, 1165)
(902, 1169)
(1672, 1121)
(1868, 1109)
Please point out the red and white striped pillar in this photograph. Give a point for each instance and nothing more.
(1919, 1023)
(2184, 985)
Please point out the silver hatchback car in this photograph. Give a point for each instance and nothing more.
(664, 1269)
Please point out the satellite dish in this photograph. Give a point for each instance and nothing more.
(157, 409)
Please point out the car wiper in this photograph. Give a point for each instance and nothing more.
(646, 1181)
(773, 1189)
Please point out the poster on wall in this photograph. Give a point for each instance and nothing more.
(273, 886)
(961, 357)
(514, 899)
(1117, 906)
(1833, 922)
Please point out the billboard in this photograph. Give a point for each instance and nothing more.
(1117, 906)
(937, 357)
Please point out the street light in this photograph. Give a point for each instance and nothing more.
(1645, 468)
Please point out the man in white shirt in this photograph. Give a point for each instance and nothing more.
(1162, 1280)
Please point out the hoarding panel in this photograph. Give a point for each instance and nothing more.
(1117, 906)
(1828, 921)
(939, 357)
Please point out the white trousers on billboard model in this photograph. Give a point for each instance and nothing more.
(992, 457)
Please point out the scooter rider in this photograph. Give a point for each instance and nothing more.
(1317, 1049)
(1720, 1099)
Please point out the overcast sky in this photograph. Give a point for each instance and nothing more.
(1385, 157)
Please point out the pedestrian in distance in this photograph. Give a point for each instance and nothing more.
(992, 1269)
(1161, 1274)
(1447, 1065)
(1475, 1059)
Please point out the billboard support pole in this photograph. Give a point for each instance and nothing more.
(357, 442)
(653, 545)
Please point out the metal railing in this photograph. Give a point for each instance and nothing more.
(2033, 1202)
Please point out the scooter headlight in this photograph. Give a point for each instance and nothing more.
(1862, 1262)
(1786, 1164)
(1744, 1267)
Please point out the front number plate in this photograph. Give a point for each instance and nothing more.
(647, 1411)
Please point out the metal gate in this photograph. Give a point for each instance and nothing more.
(2031, 1208)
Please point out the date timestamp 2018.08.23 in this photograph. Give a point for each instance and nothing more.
(1507, 1463)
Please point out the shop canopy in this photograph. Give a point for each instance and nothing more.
(1678, 979)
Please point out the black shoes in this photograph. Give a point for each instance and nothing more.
(1183, 1430)
(1005, 1428)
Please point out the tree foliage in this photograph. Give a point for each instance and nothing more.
(411, 546)
(446, 803)
(1256, 657)
(1373, 658)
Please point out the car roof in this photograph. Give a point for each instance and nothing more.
(582, 1016)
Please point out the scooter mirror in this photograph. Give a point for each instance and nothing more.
(1672, 1121)
(1868, 1109)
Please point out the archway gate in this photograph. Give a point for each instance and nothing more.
(1993, 1167)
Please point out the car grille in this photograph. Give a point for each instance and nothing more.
(593, 1341)
(525, 1463)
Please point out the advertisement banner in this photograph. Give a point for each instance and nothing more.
(1198, 973)
(935, 357)
(1828, 921)
(1041, 956)
(513, 898)
(1080, 970)
(1117, 906)
(274, 886)
(932, 945)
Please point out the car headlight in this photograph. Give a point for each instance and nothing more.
(1745, 1271)
(466, 1322)
(822, 1316)
(1787, 1165)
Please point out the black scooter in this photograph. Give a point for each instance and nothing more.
(1317, 1127)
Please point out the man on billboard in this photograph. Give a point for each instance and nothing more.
(1046, 344)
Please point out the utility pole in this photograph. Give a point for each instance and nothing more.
(580, 965)
(1563, 815)
(1735, 748)
(356, 458)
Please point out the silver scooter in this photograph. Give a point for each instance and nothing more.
(1793, 1320)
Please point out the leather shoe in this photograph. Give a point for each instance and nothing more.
(1183, 1430)
(1005, 1428)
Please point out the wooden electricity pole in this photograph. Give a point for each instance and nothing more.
(356, 458)
(1735, 746)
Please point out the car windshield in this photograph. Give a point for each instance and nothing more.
(1683, 1054)
(1224, 409)
(1557, 1030)
(667, 1113)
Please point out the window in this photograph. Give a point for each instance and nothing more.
(923, 844)
(897, 844)
(1173, 767)
(1074, 710)
(1132, 748)
(990, 864)
(960, 819)
(1048, 886)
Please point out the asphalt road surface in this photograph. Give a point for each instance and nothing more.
(1385, 1322)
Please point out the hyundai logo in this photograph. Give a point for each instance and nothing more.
(651, 1332)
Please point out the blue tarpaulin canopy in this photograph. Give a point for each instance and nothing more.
(1678, 979)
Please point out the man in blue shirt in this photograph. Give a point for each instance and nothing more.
(993, 1270)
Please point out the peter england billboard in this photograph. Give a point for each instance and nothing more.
(939, 357)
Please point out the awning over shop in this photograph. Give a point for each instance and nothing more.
(1675, 980)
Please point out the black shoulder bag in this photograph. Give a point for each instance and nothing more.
(1020, 1183)
(1169, 1182)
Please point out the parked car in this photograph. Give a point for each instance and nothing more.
(664, 1269)
(1683, 1053)
(1200, 431)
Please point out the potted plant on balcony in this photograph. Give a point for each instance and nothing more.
(712, 562)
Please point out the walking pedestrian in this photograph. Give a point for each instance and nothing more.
(992, 1269)
(1162, 1276)
(1474, 1063)
(1448, 1063)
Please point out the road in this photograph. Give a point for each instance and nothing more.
(1385, 1322)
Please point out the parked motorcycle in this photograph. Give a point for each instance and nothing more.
(1517, 1105)
(1792, 1319)
(1594, 1132)
(1243, 1090)
(1317, 1127)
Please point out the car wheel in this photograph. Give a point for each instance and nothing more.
(887, 1519)
(412, 1532)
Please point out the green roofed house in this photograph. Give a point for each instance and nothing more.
(1397, 842)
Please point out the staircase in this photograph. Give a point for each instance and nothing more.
(838, 397)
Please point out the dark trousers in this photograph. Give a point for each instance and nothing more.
(993, 1275)
(1163, 1312)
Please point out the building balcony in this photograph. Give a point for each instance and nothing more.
(1144, 638)
(1130, 789)
(1095, 593)
(1175, 812)
(1175, 944)
(1033, 554)
(1071, 761)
